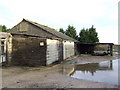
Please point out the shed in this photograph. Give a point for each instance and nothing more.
(34, 44)
(5, 47)
(89, 48)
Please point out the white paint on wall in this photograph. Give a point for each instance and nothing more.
(10, 45)
(68, 49)
(52, 51)
(6, 38)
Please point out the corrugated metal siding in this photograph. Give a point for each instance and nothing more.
(52, 51)
(68, 49)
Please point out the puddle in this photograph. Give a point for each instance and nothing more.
(106, 72)
(116, 53)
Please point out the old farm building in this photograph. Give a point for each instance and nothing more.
(5, 45)
(34, 44)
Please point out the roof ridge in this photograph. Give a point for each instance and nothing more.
(51, 30)
(39, 24)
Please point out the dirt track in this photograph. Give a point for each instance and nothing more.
(51, 76)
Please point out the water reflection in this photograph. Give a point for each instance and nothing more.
(93, 67)
(106, 72)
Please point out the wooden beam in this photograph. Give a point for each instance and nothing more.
(111, 49)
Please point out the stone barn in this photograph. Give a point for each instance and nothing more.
(34, 44)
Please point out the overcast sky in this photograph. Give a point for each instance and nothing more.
(103, 14)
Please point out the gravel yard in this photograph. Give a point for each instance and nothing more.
(53, 76)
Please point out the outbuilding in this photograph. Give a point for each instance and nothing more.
(5, 46)
(99, 49)
(34, 44)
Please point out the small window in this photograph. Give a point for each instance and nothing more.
(41, 43)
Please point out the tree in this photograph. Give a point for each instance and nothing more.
(0, 28)
(84, 35)
(89, 35)
(3, 28)
(71, 32)
(93, 35)
(62, 30)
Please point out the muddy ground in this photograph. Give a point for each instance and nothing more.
(53, 76)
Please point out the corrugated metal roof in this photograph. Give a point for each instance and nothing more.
(52, 31)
